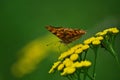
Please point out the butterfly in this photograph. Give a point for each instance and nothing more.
(67, 35)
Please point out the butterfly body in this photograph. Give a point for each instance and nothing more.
(67, 35)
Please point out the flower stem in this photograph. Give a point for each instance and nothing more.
(95, 60)
(78, 75)
(85, 75)
(112, 51)
(90, 77)
(85, 55)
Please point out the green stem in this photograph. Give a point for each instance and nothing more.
(112, 51)
(85, 55)
(90, 77)
(79, 77)
(78, 74)
(69, 78)
(85, 74)
(95, 60)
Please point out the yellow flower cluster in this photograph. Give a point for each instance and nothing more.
(74, 51)
(93, 40)
(110, 30)
(68, 66)
(67, 60)
(100, 36)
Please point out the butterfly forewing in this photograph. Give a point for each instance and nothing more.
(67, 35)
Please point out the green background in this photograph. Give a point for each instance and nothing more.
(22, 21)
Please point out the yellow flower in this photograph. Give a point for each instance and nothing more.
(86, 63)
(70, 51)
(85, 47)
(63, 73)
(105, 31)
(74, 57)
(68, 70)
(77, 64)
(60, 67)
(76, 47)
(99, 38)
(54, 66)
(64, 55)
(78, 51)
(101, 33)
(114, 30)
(66, 60)
(51, 70)
(68, 63)
(88, 41)
(96, 42)
(92, 38)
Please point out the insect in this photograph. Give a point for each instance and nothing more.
(67, 35)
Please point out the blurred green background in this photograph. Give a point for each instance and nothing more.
(23, 21)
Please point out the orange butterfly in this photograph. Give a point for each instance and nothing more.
(67, 35)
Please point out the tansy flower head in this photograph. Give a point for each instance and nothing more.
(77, 64)
(101, 33)
(113, 30)
(60, 67)
(99, 38)
(78, 51)
(82, 64)
(68, 62)
(86, 63)
(76, 47)
(54, 66)
(68, 70)
(74, 57)
(85, 47)
(89, 40)
(64, 55)
(96, 42)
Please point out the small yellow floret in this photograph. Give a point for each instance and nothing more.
(89, 40)
(86, 63)
(68, 70)
(65, 54)
(54, 66)
(77, 64)
(85, 47)
(60, 67)
(99, 38)
(74, 57)
(101, 33)
(78, 51)
(69, 63)
(114, 30)
(96, 42)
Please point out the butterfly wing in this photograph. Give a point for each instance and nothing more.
(67, 35)
(72, 35)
